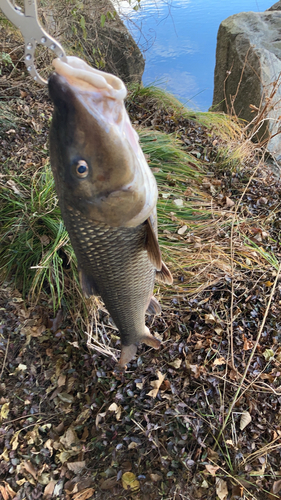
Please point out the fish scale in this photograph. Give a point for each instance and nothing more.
(116, 260)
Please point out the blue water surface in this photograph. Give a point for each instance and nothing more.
(178, 38)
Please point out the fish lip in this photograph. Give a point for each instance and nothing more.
(59, 89)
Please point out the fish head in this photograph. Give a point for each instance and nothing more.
(98, 164)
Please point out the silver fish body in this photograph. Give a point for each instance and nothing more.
(107, 198)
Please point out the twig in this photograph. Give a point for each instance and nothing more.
(5, 357)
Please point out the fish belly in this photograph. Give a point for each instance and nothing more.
(114, 264)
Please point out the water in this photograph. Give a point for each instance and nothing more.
(178, 38)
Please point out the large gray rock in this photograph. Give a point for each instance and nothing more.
(248, 69)
(276, 6)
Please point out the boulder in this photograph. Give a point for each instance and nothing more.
(276, 6)
(95, 32)
(247, 73)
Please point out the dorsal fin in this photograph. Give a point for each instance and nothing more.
(164, 275)
(152, 246)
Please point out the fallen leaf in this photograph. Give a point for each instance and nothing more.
(117, 409)
(29, 467)
(229, 442)
(55, 324)
(7, 491)
(221, 488)
(130, 482)
(69, 439)
(4, 411)
(268, 354)
(219, 362)
(5, 455)
(76, 467)
(65, 398)
(48, 491)
(64, 456)
(178, 202)
(245, 420)
(155, 477)
(4, 492)
(11, 184)
(165, 386)
(83, 417)
(15, 440)
(276, 487)
(182, 230)
(210, 319)
(133, 445)
(176, 363)
(84, 495)
(61, 380)
(44, 240)
(49, 445)
(20, 368)
(237, 491)
(248, 344)
(228, 202)
(99, 417)
(213, 455)
(218, 330)
(212, 469)
(156, 384)
(108, 484)
(20, 482)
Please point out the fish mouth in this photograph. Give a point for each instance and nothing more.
(85, 78)
(60, 91)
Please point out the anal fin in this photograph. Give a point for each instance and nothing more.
(152, 246)
(129, 351)
(148, 339)
(154, 306)
(87, 284)
(164, 275)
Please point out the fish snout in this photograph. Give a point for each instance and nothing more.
(59, 90)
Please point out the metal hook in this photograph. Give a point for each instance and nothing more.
(33, 33)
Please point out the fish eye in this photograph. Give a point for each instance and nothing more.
(82, 169)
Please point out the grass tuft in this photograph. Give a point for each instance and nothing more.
(35, 248)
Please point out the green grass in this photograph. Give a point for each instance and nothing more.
(35, 247)
(223, 124)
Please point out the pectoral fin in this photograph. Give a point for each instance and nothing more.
(164, 275)
(152, 246)
(87, 284)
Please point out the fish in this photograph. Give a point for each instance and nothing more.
(107, 195)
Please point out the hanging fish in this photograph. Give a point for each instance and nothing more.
(107, 195)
